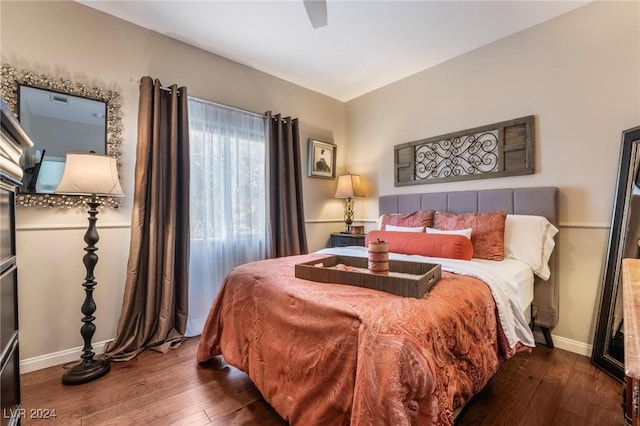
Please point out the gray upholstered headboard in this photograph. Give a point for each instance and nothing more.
(539, 201)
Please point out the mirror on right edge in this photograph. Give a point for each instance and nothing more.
(624, 242)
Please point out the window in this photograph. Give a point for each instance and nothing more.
(228, 199)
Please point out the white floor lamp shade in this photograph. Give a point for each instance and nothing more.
(90, 174)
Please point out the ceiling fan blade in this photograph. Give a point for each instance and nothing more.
(317, 12)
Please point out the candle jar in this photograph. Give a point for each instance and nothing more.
(378, 256)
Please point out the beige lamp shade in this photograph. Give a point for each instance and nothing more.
(90, 174)
(349, 186)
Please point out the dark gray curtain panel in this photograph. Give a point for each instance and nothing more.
(286, 207)
(154, 309)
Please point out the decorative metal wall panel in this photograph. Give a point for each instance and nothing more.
(496, 150)
(459, 156)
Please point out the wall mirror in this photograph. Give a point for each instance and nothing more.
(624, 242)
(60, 116)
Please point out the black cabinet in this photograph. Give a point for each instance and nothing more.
(10, 385)
(338, 239)
(12, 141)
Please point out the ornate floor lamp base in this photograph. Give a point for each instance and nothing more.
(86, 371)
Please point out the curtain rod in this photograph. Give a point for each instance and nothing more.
(166, 89)
(227, 106)
(219, 104)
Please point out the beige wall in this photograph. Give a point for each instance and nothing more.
(76, 42)
(579, 75)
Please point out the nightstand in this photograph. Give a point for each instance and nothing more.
(338, 239)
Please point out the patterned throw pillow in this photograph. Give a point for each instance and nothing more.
(487, 231)
(418, 218)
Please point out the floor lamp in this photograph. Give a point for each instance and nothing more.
(94, 176)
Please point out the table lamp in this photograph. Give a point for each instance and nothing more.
(349, 187)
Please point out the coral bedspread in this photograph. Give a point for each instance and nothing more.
(337, 354)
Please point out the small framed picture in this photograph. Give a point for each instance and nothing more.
(322, 160)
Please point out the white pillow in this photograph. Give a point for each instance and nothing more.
(379, 221)
(404, 228)
(530, 239)
(466, 232)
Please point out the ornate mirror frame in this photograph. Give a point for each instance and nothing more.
(620, 231)
(12, 79)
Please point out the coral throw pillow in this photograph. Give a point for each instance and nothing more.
(487, 231)
(432, 245)
(422, 218)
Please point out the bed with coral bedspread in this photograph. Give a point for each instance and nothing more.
(337, 354)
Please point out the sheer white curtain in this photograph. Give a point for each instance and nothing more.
(228, 200)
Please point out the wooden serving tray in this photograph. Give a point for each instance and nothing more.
(409, 279)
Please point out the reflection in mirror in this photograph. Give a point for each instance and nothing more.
(624, 237)
(58, 123)
(94, 106)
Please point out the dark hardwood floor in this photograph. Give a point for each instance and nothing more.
(547, 387)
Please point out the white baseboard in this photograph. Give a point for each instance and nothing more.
(571, 345)
(57, 358)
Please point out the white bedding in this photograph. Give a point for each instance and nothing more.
(510, 281)
(518, 275)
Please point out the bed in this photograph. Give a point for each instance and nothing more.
(336, 354)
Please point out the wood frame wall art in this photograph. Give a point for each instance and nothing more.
(322, 159)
